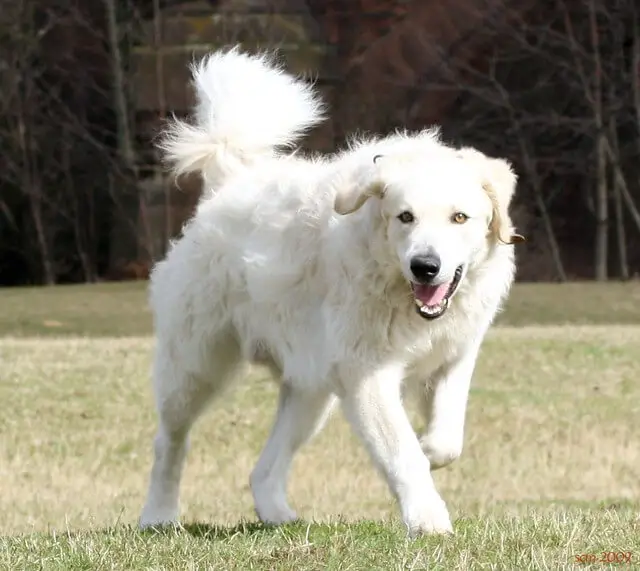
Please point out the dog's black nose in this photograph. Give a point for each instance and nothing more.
(425, 268)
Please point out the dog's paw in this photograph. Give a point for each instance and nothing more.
(158, 519)
(160, 524)
(270, 502)
(276, 515)
(430, 517)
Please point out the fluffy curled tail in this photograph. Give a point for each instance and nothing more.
(246, 107)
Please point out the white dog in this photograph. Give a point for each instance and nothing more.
(346, 276)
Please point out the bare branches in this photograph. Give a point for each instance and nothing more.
(57, 138)
(534, 180)
(125, 141)
(554, 86)
(551, 91)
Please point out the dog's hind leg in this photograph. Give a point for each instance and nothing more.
(181, 397)
(301, 414)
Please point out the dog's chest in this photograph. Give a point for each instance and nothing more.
(439, 340)
(381, 333)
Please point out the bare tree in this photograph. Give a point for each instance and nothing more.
(555, 89)
(602, 193)
(21, 170)
(129, 190)
(592, 86)
(550, 92)
(621, 237)
(58, 157)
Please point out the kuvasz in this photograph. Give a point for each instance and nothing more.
(347, 276)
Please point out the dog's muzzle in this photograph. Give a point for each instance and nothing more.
(432, 301)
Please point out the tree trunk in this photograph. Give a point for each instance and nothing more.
(635, 67)
(624, 189)
(620, 233)
(532, 173)
(73, 210)
(554, 247)
(602, 194)
(162, 110)
(35, 205)
(125, 242)
(621, 240)
(31, 186)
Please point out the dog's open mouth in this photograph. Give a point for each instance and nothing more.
(433, 300)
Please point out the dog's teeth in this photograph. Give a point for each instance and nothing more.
(432, 309)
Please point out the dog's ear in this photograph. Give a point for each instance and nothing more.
(499, 182)
(355, 190)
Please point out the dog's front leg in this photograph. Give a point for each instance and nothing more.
(444, 406)
(373, 406)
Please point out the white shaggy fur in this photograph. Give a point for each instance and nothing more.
(303, 265)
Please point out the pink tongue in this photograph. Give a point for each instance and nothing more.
(430, 295)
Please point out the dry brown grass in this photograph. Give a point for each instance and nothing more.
(553, 418)
(120, 309)
(550, 470)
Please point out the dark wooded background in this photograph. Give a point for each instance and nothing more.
(554, 85)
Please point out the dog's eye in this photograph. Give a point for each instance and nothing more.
(459, 218)
(406, 217)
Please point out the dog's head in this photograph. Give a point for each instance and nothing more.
(435, 217)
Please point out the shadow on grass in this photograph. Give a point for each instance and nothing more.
(210, 531)
(219, 532)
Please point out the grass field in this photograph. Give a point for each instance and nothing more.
(550, 472)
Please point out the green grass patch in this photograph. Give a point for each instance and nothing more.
(560, 540)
